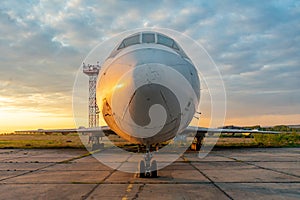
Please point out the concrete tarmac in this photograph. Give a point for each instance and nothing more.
(268, 173)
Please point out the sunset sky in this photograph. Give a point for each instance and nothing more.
(255, 44)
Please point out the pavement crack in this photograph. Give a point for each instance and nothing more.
(28, 172)
(273, 170)
(51, 165)
(103, 181)
(260, 167)
(90, 192)
(141, 188)
(203, 174)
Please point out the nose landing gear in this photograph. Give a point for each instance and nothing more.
(148, 168)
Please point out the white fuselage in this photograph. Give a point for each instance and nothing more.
(148, 92)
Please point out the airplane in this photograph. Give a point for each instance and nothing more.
(131, 90)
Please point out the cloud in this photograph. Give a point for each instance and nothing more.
(255, 44)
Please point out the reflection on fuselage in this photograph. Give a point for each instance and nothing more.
(148, 89)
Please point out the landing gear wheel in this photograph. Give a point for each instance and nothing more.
(198, 147)
(146, 167)
(142, 169)
(154, 169)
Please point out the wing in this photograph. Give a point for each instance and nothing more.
(201, 131)
(99, 131)
(106, 130)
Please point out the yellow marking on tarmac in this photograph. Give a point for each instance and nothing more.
(129, 188)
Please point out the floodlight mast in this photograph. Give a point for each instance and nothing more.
(92, 71)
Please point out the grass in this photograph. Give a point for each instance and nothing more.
(277, 140)
(32, 141)
(260, 140)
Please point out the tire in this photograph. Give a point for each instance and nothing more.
(198, 147)
(94, 147)
(154, 169)
(142, 169)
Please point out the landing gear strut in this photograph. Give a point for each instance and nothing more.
(196, 145)
(95, 140)
(148, 168)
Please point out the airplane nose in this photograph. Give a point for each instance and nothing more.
(145, 106)
(150, 103)
(149, 95)
(156, 108)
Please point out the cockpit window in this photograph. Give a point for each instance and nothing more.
(165, 40)
(130, 41)
(175, 46)
(148, 38)
(121, 45)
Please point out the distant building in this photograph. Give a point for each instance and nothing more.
(294, 126)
